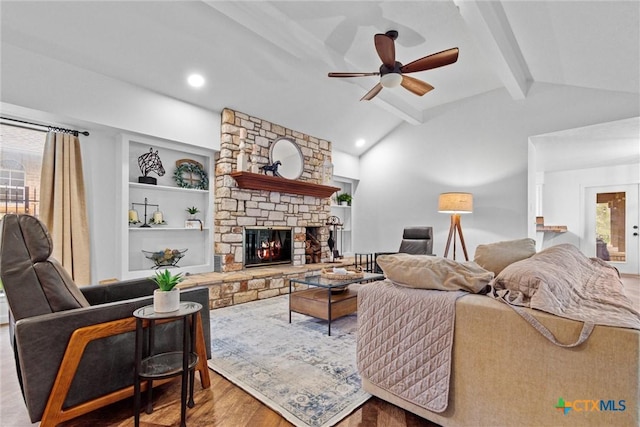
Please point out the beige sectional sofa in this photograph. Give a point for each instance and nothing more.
(504, 373)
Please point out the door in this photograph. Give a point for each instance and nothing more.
(611, 226)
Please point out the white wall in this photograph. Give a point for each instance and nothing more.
(41, 83)
(345, 165)
(563, 197)
(478, 145)
(41, 89)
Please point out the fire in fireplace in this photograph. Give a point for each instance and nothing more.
(267, 246)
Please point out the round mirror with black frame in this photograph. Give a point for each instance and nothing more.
(288, 153)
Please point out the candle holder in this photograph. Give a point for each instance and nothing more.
(133, 217)
(145, 204)
(157, 218)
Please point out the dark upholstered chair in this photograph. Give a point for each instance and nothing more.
(415, 241)
(74, 347)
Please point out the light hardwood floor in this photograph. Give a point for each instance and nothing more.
(632, 289)
(222, 405)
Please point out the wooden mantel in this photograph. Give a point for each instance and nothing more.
(256, 181)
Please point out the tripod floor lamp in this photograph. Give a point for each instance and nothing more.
(455, 204)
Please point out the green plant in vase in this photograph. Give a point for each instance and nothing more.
(167, 297)
(193, 211)
(167, 281)
(344, 198)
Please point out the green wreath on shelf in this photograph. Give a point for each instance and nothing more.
(191, 175)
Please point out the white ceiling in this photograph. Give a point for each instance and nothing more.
(270, 59)
(606, 144)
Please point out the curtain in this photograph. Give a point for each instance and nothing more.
(63, 205)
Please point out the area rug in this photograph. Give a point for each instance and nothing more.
(296, 369)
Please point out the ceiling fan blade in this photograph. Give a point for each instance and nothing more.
(386, 49)
(373, 92)
(435, 60)
(353, 74)
(415, 86)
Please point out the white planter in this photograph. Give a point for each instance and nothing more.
(166, 301)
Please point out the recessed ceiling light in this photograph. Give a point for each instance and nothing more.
(360, 142)
(195, 80)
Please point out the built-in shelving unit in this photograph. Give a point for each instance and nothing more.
(172, 201)
(345, 213)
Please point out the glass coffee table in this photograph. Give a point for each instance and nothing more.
(327, 299)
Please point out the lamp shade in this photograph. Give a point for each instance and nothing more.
(391, 80)
(455, 203)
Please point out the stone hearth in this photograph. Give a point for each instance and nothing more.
(251, 284)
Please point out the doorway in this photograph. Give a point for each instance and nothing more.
(611, 221)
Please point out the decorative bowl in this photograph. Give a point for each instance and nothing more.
(165, 258)
(351, 273)
(341, 274)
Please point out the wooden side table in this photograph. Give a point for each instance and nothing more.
(167, 364)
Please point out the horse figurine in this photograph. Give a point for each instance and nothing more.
(150, 162)
(273, 168)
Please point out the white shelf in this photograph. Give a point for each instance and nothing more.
(177, 268)
(190, 269)
(166, 188)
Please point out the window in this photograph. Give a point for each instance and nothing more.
(20, 165)
(12, 179)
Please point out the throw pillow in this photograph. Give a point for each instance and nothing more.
(432, 272)
(496, 256)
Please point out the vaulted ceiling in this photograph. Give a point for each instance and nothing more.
(271, 58)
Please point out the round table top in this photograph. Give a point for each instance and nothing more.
(186, 308)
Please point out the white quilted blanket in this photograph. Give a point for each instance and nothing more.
(405, 337)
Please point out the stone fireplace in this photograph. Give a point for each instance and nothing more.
(281, 205)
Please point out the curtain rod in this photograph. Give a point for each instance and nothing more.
(49, 127)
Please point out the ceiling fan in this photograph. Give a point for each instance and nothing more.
(392, 73)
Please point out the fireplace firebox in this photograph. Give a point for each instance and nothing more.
(267, 246)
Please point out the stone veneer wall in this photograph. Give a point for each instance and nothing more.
(236, 208)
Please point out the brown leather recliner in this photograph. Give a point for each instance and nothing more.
(74, 347)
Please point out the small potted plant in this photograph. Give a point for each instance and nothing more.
(344, 199)
(192, 212)
(167, 297)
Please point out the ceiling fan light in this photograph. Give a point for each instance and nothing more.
(391, 80)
